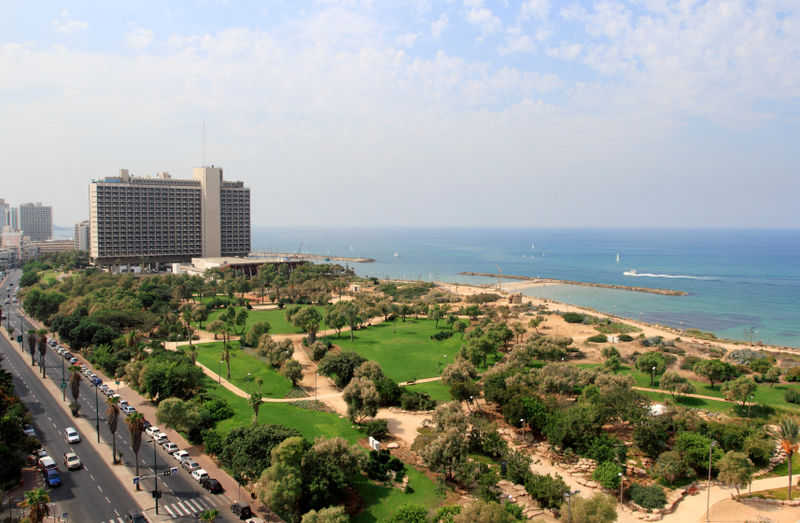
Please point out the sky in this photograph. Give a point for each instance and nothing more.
(645, 113)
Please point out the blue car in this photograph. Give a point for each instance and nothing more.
(52, 478)
(97, 381)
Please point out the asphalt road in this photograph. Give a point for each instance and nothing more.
(182, 497)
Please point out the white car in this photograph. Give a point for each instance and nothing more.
(161, 438)
(127, 409)
(190, 465)
(180, 455)
(199, 474)
(72, 435)
(152, 430)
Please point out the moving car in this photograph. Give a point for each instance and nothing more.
(242, 510)
(212, 485)
(135, 516)
(72, 435)
(72, 461)
(52, 478)
(199, 474)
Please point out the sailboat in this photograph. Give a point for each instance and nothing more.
(396, 254)
(617, 257)
(532, 247)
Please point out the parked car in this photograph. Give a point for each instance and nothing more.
(170, 447)
(161, 438)
(127, 409)
(152, 430)
(190, 465)
(29, 431)
(242, 510)
(135, 516)
(72, 461)
(180, 455)
(199, 474)
(52, 342)
(72, 435)
(96, 381)
(47, 463)
(73, 360)
(212, 485)
(145, 424)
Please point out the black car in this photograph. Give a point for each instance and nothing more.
(212, 485)
(242, 510)
(135, 516)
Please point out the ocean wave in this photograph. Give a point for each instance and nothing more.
(671, 276)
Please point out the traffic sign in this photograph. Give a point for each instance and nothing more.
(174, 470)
(65, 515)
(135, 480)
(167, 472)
(63, 384)
(116, 382)
(155, 493)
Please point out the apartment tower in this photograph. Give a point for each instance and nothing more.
(36, 221)
(162, 219)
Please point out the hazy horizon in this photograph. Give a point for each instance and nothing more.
(576, 114)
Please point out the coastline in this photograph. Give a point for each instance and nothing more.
(551, 281)
(648, 329)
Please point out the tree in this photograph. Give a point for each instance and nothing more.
(735, 469)
(208, 515)
(281, 485)
(548, 491)
(714, 370)
(459, 378)
(676, 384)
(255, 398)
(327, 469)
(246, 451)
(484, 512)
(177, 414)
(607, 474)
(613, 364)
(600, 508)
(610, 352)
(135, 423)
(225, 355)
(342, 365)
(292, 371)
(651, 363)
(448, 449)
(240, 321)
(671, 466)
(788, 435)
(306, 318)
(253, 336)
(36, 501)
(772, 376)
(112, 416)
(32, 345)
(739, 390)
(435, 314)
(75, 387)
(335, 514)
(362, 399)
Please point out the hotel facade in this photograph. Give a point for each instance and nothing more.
(165, 220)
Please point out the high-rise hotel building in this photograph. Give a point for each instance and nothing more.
(163, 219)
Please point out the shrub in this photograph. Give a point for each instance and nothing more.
(792, 374)
(377, 428)
(625, 337)
(213, 442)
(441, 335)
(413, 400)
(607, 474)
(380, 463)
(599, 508)
(483, 297)
(791, 396)
(651, 497)
(670, 466)
(606, 448)
(518, 467)
(547, 491)
(573, 317)
(319, 351)
(598, 338)
(689, 362)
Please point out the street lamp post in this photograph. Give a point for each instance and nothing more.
(63, 383)
(569, 495)
(522, 424)
(219, 373)
(653, 378)
(97, 411)
(749, 404)
(155, 475)
(621, 482)
(708, 496)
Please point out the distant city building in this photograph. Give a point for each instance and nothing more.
(162, 219)
(9, 216)
(54, 246)
(36, 221)
(81, 236)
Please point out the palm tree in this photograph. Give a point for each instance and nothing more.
(36, 501)
(192, 353)
(75, 387)
(226, 356)
(788, 434)
(208, 515)
(32, 345)
(112, 416)
(135, 424)
(42, 349)
(255, 399)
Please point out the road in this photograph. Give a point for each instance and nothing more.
(182, 497)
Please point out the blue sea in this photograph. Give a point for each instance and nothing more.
(741, 284)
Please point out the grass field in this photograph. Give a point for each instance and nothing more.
(276, 319)
(435, 388)
(380, 501)
(408, 354)
(274, 386)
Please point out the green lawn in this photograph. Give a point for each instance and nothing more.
(382, 502)
(274, 386)
(408, 354)
(435, 388)
(276, 319)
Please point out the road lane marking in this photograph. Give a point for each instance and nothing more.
(109, 501)
(171, 513)
(193, 503)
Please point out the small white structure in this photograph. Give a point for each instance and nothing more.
(374, 444)
(657, 409)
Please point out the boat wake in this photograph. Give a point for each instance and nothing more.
(670, 276)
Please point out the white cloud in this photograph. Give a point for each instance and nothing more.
(65, 25)
(438, 27)
(535, 9)
(516, 41)
(408, 39)
(482, 17)
(564, 51)
(139, 38)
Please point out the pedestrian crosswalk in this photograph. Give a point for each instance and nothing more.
(182, 508)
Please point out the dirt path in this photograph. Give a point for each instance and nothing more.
(700, 396)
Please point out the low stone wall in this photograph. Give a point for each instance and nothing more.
(783, 502)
